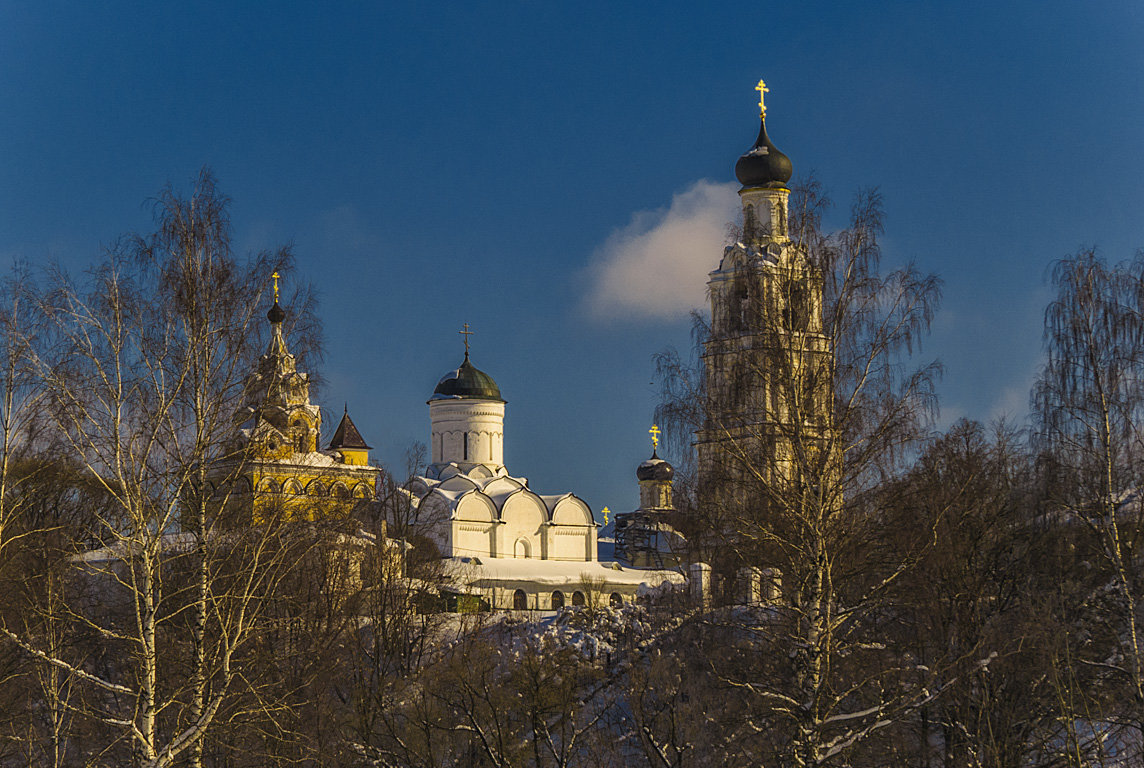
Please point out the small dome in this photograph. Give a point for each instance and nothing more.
(467, 381)
(763, 165)
(655, 468)
(276, 314)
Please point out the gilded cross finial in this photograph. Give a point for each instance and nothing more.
(466, 333)
(763, 90)
(607, 513)
(655, 433)
(275, 276)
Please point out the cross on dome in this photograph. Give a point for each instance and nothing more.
(275, 276)
(763, 90)
(655, 433)
(466, 333)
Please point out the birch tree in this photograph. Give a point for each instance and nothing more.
(1089, 403)
(846, 410)
(141, 366)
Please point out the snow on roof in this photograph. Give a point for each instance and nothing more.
(553, 500)
(319, 459)
(555, 573)
(168, 542)
(182, 542)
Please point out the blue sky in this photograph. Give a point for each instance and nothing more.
(435, 164)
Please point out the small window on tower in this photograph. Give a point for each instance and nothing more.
(763, 216)
(796, 315)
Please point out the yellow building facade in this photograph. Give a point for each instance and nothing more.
(283, 473)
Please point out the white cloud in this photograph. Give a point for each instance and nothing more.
(656, 267)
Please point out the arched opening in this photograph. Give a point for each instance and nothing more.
(341, 492)
(522, 548)
(615, 600)
(578, 599)
(300, 436)
(519, 600)
(557, 600)
(796, 312)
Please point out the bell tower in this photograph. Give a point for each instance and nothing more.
(766, 358)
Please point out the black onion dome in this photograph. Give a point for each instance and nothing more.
(763, 165)
(655, 468)
(467, 381)
(276, 314)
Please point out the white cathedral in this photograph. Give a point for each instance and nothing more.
(515, 548)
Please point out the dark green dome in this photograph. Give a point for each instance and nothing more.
(763, 165)
(467, 381)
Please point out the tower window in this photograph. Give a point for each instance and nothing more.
(796, 313)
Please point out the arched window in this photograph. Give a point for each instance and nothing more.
(739, 305)
(361, 491)
(615, 600)
(557, 600)
(578, 599)
(522, 548)
(292, 487)
(519, 600)
(796, 312)
(300, 435)
(341, 492)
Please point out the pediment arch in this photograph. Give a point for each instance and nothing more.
(525, 511)
(571, 510)
(475, 506)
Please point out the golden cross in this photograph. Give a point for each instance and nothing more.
(655, 433)
(466, 333)
(606, 512)
(275, 276)
(762, 89)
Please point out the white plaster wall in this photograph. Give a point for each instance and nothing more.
(569, 542)
(523, 516)
(473, 539)
(481, 420)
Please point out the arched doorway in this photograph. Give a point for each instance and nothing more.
(578, 599)
(522, 549)
(557, 600)
(615, 600)
(519, 600)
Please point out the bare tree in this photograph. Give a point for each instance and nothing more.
(140, 371)
(977, 595)
(1089, 403)
(807, 406)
